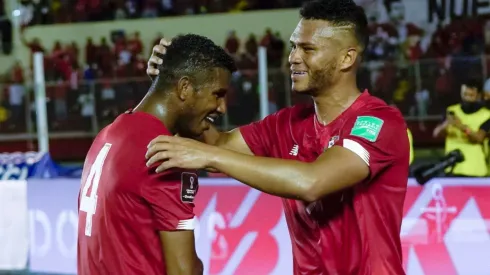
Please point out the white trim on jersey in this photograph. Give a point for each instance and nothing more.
(187, 224)
(357, 148)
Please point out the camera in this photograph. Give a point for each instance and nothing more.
(426, 172)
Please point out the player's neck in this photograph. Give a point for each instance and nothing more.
(158, 109)
(332, 102)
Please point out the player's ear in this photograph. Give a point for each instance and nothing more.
(184, 88)
(349, 58)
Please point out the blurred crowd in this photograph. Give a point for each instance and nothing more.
(118, 66)
(58, 11)
(417, 70)
(422, 72)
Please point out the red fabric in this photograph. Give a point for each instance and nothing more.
(362, 223)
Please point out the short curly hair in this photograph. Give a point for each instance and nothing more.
(339, 13)
(191, 55)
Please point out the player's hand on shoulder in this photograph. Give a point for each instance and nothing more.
(155, 60)
(178, 152)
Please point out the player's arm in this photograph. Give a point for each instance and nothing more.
(231, 140)
(353, 159)
(358, 154)
(337, 168)
(180, 253)
(174, 220)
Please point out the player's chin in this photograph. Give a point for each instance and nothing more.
(300, 88)
(203, 127)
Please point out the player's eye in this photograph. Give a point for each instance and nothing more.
(220, 94)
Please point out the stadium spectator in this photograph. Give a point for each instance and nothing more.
(465, 127)
(232, 44)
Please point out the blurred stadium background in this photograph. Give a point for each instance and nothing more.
(94, 55)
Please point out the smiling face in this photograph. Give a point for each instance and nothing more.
(204, 103)
(320, 52)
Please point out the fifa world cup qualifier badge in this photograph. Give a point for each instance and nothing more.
(189, 187)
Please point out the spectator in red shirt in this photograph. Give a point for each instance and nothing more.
(90, 51)
(135, 44)
(105, 58)
(266, 40)
(57, 49)
(232, 43)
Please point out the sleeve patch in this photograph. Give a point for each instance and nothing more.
(189, 187)
(367, 127)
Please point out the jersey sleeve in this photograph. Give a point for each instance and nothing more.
(379, 138)
(163, 193)
(259, 135)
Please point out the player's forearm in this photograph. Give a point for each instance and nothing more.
(284, 178)
(231, 140)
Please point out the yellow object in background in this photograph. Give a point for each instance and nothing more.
(3, 114)
(474, 164)
(410, 141)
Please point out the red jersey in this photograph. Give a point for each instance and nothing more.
(123, 204)
(357, 230)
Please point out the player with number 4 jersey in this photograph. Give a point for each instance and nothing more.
(133, 220)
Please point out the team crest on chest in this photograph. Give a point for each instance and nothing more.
(332, 142)
(189, 186)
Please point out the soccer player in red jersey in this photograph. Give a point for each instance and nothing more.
(131, 219)
(340, 163)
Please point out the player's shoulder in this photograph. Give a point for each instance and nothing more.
(140, 121)
(377, 108)
(138, 125)
(129, 134)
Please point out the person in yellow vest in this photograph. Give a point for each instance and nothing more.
(465, 127)
(410, 140)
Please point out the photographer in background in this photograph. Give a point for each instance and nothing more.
(465, 127)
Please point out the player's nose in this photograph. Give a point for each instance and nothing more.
(222, 106)
(294, 57)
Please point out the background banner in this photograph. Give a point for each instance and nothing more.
(14, 234)
(446, 228)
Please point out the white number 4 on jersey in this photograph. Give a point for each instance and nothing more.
(88, 203)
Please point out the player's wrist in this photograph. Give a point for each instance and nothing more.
(215, 158)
